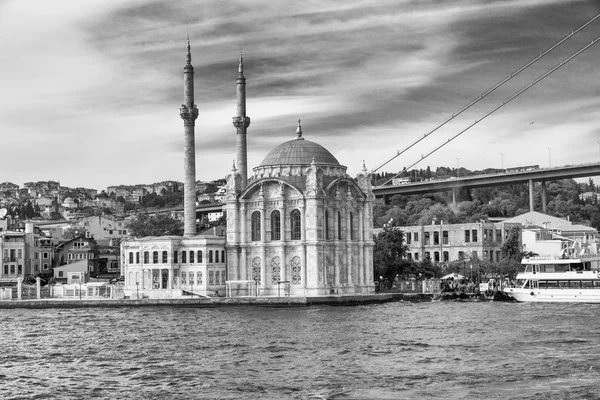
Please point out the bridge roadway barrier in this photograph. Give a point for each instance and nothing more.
(218, 301)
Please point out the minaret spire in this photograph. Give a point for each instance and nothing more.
(189, 113)
(241, 123)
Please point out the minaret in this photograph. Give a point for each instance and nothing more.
(241, 123)
(189, 113)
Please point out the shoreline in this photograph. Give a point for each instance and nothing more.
(219, 301)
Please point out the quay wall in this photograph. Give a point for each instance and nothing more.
(217, 301)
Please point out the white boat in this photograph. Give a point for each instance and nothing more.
(554, 279)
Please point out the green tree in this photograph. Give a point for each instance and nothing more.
(388, 254)
(143, 224)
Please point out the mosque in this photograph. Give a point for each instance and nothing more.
(300, 226)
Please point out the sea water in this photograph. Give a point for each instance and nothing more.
(438, 350)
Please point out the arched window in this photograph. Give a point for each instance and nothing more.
(339, 226)
(326, 224)
(351, 226)
(137, 257)
(155, 257)
(183, 257)
(165, 257)
(222, 256)
(217, 256)
(199, 256)
(176, 257)
(275, 225)
(131, 257)
(191, 256)
(296, 225)
(210, 258)
(255, 219)
(146, 257)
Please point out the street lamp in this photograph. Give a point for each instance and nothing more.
(457, 168)
(137, 285)
(549, 157)
(380, 283)
(502, 160)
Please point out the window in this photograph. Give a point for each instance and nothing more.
(446, 256)
(183, 257)
(146, 257)
(491, 255)
(165, 257)
(498, 256)
(191, 256)
(222, 256)
(155, 257)
(436, 238)
(131, 257)
(12, 269)
(255, 223)
(461, 255)
(60, 274)
(351, 226)
(326, 224)
(45, 255)
(176, 257)
(210, 256)
(216, 256)
(417, 256)
(275, 225)
(137, 257)
(436, 256)
(45, 266)
(339, 227)
(6, 270)
(19, 269)
(498, 235)
(427, 255)
(296, 226)
(474, 235)
(409, 256)
(408, 237)
(20, 253)
(445, 237)
(467, 236)
(426, 238)
(416, 236)
(200, 256)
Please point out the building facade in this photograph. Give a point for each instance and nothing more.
(445, 243)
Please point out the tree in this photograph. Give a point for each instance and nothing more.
(388, 253)
(143, 224)
(511, 248)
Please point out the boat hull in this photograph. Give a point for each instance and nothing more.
(554, 295)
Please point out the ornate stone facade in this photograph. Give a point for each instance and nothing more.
(301, 222)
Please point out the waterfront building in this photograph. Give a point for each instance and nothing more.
(299, 219)
(174, 266)
(443, 243)
(559, 226)
(76, 249)
(18, 250)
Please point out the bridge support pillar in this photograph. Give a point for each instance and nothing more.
(454, 196)
(544, 198)
(531, 195)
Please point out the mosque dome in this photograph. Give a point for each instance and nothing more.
(299, 152)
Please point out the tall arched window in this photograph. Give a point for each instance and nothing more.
(296, 225)
(222, 256)
(176, 257)
(351, 226)
(131, 257)
(183, 257)
(165, 257)
(275, 225)
(155, 257)
(191, 256)
(146, 257)
(255, 222)
(210, 256)
(217, 256)
(137, 257)
(339, 226)
(199, 256)
(326, 224)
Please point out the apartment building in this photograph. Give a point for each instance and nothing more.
(444, 243)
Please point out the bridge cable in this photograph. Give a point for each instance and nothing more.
(505, 102)
(398, 153)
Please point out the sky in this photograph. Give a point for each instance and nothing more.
(90, 91)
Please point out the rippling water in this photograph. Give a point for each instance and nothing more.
(440, 350)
